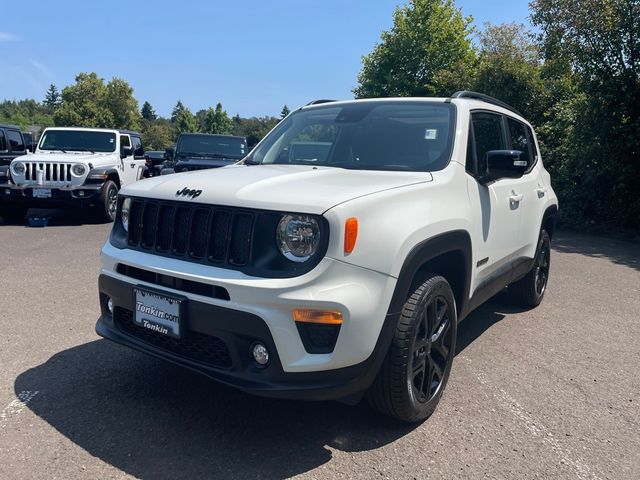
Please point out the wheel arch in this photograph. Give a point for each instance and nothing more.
(448, 254)
(549, 220)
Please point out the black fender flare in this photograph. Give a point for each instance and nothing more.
(100, 175)
(425, 251)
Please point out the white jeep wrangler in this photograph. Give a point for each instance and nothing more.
(73, 167)
(342, 270)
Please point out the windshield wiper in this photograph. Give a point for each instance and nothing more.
(248, 161)
(82, 149)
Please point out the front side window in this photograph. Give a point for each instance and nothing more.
(488, 135)
(384, 135)
(78, 141)
(15, 141)
(520, 140)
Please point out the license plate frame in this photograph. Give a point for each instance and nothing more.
(159, 311)
(41, 193)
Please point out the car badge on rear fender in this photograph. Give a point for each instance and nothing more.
(188, 192)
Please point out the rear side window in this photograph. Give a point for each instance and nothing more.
(138, 151)
(3, 141)
(488, 132)
(521, 140)
(15, 141)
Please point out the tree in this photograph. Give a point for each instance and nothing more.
(217, 121)
(121, 103)
(52, 98)
(509, 69)
(184, 122)
(176, 111)
(428, 38)
(254, 128)
(147, 112)
(158, 134)
(599, 42)
(83, 104)
(285, 111)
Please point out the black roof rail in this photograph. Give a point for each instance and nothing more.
(484, 98)
(318, 102)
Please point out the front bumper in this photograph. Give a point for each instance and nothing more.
(217, 343)
(81, 196)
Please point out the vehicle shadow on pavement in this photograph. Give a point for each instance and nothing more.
(618, 251)
(57, 218)
(151, 419)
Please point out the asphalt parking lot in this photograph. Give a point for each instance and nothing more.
(552, 392)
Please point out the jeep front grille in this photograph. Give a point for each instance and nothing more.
(51, 172)
(201, 233)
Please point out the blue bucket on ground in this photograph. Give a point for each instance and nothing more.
(38, 221)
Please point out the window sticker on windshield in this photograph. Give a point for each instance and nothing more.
(111, 140)
(430, 134)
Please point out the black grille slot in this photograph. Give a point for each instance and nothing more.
(196, 346)
(149, 223)
(240, 247)
(219, 235)
(199, 229)
(200, 233)
(181, 230)
(165, 228)
(135, 223)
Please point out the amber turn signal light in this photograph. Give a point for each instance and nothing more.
(309, 315)
(350, 234)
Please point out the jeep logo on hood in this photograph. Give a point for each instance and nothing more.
(187, 192)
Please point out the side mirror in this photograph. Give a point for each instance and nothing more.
(168, 154)
(505, 164)
(126, 152)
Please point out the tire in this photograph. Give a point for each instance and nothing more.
(106, 206)
(13, 213)
(529, 290)
(399, 390)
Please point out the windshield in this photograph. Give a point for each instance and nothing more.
(393, 135)
(212, 145)
(78, 140)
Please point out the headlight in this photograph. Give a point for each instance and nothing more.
(79, 169)
(124, 213)
(298, 237)
(18, 168)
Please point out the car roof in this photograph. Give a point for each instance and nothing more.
(127, 132)
(9, 126)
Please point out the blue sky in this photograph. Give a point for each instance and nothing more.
(253, 56)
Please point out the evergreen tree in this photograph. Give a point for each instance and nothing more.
(147, 112)
(52, 98)
(285, 111)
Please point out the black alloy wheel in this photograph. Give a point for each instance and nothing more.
(415, 371)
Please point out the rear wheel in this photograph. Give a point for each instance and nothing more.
(13, 213)
(106, 206)
(415, 372)
(529, 291)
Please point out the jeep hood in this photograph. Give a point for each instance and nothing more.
(57, 156)
(275, 187)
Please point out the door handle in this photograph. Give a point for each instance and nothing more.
(515, 197)
(133, 165)
(541, 191)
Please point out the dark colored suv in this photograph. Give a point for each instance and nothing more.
(199, 151)
(12, 144)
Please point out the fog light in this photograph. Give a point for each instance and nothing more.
(260, 354)
(110, 306)
(81, 193)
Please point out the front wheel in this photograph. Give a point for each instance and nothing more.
(108, 202)
(416, 369)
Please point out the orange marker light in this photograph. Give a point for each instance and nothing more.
(350, 234)
(308, 315)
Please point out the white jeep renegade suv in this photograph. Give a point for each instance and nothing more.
(338, 257)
